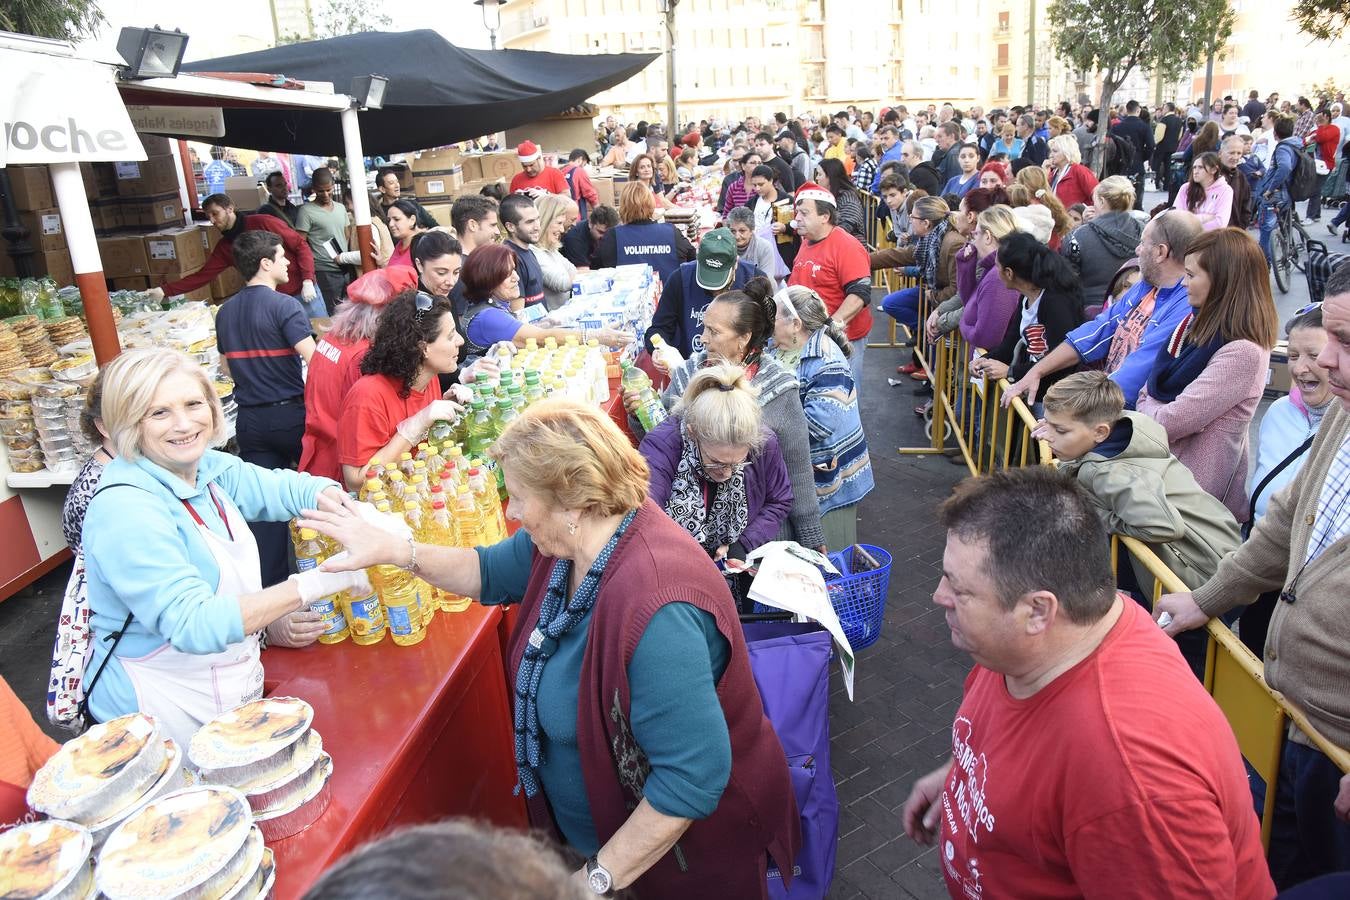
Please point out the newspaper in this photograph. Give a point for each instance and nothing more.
(789, 579)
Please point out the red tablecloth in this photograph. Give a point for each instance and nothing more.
(416, 734)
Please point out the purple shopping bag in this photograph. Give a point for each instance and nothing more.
(791, 665)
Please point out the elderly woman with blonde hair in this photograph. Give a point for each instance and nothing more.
(639, 731)
(175, 586)
(1071, 181)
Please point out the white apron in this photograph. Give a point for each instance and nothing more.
(185, 690)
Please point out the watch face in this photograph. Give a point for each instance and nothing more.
(599, 880)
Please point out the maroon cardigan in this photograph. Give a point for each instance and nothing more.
(723, 855)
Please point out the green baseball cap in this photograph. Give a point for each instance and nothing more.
(716, 260)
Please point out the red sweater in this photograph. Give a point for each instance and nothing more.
(724, 854)
(297, 253)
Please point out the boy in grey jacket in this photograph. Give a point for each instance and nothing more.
(1139, 488)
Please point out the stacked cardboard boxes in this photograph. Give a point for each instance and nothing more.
(31, 191)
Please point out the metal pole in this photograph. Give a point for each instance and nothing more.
(1031, 54)
(69, 186)
(674, 127)
(356, 183)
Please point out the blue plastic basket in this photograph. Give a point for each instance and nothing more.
(858, 598)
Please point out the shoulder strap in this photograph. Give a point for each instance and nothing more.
(1270, 476)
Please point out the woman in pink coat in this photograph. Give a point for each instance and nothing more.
(1208, 378)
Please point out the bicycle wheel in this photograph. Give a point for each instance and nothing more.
(1298, 242)
(1280, 262)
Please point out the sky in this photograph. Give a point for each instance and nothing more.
(240, 26)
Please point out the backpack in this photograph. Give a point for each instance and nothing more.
(1115, 156)
(1302, 183)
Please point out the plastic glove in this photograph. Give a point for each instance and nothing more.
(460, 394)
(668, 359)
(350, 258)
(483, 368)
(315, 584)
(307, 291)
(299, 629)
(156, 294)
(414, 428)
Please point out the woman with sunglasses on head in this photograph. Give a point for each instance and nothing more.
(391, 406)
(715, 469)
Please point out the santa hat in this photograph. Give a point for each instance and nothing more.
(527, 152)
(813, 191)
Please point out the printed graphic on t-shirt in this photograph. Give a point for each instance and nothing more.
(964, 811)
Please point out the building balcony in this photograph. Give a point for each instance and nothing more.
(522, 24)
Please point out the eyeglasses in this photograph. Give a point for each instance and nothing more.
(710, 466)
(1309, 308)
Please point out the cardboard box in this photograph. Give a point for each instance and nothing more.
(175, 250)
(227, 284)
(430, 185)
(501, 165)
(152, 212)
(210, 237)
(201, 293)
(440, 212)
(1277, 376)
(123, 256)
(157, 146)
(475, 187)
(472, 166)
(31, 187)
(604, 190)
(157, 175)
(55, 263)
(44, 229)
(130, 283)
(100, 180)
(245, 192)
(107, 216)
(435, 160)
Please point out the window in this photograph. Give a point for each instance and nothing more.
(1002, 55)
(1002, 24)
(1003, 86)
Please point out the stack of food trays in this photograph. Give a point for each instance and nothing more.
(197, 842)
(268, 751)
(55, 405)
(17, 425)
(66, 330)
(106, 774)
(11, 354)
(49, 860)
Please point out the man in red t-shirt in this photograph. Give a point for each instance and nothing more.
(836, 266)
(1086, 759)
(537, 178)
(219, 208)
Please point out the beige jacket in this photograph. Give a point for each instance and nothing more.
(1306, 654)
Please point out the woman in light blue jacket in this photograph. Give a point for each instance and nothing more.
(174, 584)
(811, 344)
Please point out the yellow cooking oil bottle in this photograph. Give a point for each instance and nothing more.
(310, 551)
(468, 521)
(397, 590)
(489, 507)
(364, 615)
(426, 597)
(441, 532)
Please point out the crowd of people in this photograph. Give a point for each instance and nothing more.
(1140, 340)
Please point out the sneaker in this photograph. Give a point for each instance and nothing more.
(907, 369)
(918, 374)
(1333, 227)
(922, 411)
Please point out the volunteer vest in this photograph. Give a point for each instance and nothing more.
(689, 327)
(652, 243)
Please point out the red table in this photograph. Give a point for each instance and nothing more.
(416, 734)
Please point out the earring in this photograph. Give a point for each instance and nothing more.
(571, 527)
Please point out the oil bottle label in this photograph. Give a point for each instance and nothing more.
(366, 617)
(327, 609)
(400, 619)
(305, 563)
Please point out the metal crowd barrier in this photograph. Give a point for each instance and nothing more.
(1259, 715)
(969, 411)
(888, 280)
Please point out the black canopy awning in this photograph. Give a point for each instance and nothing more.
(438, 93)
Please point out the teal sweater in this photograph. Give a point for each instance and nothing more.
(677, 718)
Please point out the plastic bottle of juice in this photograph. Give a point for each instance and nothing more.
(516, 394)
(479, 437)
(661, 351)
(595, 357)
(651, 411)
(310, 550)
(398, 594)
(633, 378)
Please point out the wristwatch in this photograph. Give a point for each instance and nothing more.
(598, 878)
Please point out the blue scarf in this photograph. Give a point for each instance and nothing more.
(1180, 362)
(557, 616)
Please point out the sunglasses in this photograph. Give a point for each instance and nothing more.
(424, 303)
